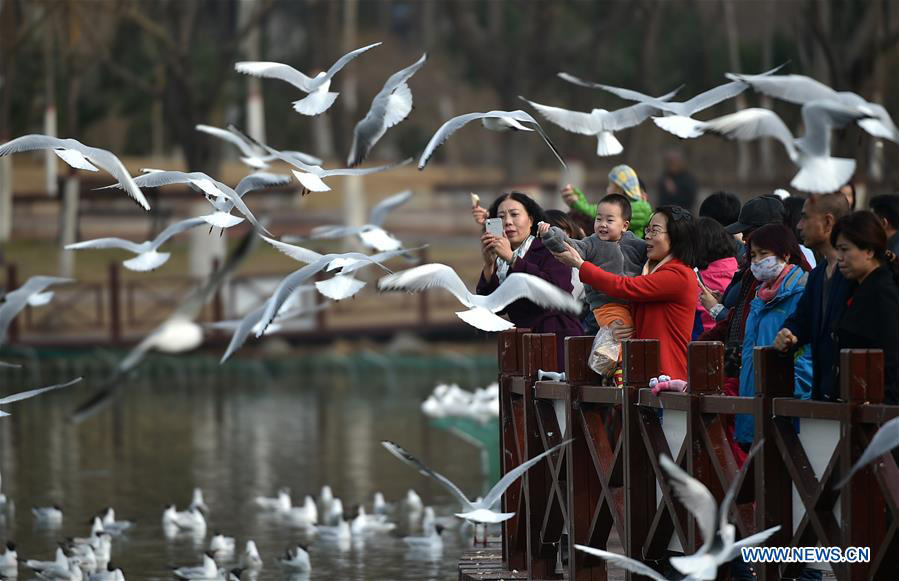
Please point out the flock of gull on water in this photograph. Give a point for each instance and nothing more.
(823, 110)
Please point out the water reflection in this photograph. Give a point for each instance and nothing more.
(238, 436)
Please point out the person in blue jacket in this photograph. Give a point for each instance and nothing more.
(778, 264)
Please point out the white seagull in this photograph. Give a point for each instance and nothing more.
(148, 258)
(9, 561)
(479, 511)
(371, 234)
(627, 563)
(678, 121)
(186, 520)
(47, 515)
(296, 559)
(599, 122)
(493, 120)
(281, 502)
(392, 104)
(250, 558)
(31, 294)
(253, 155)
(208, 570)
(33, 392)
(319, 98)
(886, 438)
(221, 547)
(113, 526)
(482, 308)
(719, 544)
(800, 89)
(818, 171)
(79, 156)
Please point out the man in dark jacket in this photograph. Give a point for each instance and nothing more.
(824, 298)
(886, 207)
(677, 186)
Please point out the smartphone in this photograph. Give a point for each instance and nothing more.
(495, 227)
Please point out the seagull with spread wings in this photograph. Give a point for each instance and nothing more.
(392, 104)
(371, 234)
(33, 392)
(482, 308)
(886, 438)
(29, 294)
(252, 155)
(79, 156)
(148, 255)
(493, 120)
(319, 99)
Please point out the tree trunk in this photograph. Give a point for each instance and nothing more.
(733, 53)
(766, 151)
(51, 165)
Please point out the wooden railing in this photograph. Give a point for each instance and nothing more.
(607, 479)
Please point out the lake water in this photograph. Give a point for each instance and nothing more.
(239, 432)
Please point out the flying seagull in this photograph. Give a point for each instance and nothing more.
(33, 392)
(148, 258)
(252, 155)
(493, 120)
(479, 511)
(818, 171)
(392, 104)
(632, 565)
(678, 121)
(482, 308)
(371, 234)
(79, 156)
(800, 89)
(319, 98)
(886, 438)
(32, 294)
(599, 122)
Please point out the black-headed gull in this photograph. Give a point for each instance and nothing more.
(392, 104)
(47, 515)
(191, 519)
(207, 570)
(281, 502)
(371, 234)
(33, 392)
(364, 523)
(221, 547)
(719, 544)
(886, 438)
(250, 558)
(9, 561)
(113, 526)
(79, 156)
(818, 171)
(253, 155)
(319, 98)
(148, 257)
(29, 294)
(296, 559)
(479, 511)
(800, 89)
(599, 122)
(429, 540)
(61, 561)
(482, 308)
(111, 573)
(493, 120)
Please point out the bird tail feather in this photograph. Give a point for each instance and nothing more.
(315, 103)
(823, 174)
(683, 127)
(607, 144)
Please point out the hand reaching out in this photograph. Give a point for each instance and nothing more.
(568, 195)
(785, 340)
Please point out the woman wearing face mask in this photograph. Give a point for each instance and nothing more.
(663, 298)
(871, 317)
(778, 264)
(519, 250)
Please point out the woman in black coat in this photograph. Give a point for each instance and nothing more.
(871, 317)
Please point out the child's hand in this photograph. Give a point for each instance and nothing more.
(569, 256)
(542, 228)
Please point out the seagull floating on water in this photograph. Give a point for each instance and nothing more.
(207, 570)
(319, 98)
(482, 308)
(296, 559)
(221, 547)
(250, 558)
(47, 515)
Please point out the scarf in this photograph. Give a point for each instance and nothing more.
(768, 290)
(502, 267)
(647, 270)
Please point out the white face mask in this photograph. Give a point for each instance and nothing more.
(767, 269)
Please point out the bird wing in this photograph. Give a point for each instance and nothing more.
(173, 229)
(272, 70)
(237, 202)
(107, 243)
(260, 180)
(243, 331)
(16, 300)
(363, 171)
(750, 541)
(429, 276)
(331, 231)
(721, 93)
(797, 89)
(573, 121)
(31, 393)
(886, 438)
(695, 497)
(423, 469)
(340, 63)
(381, 209)
(731, 494)
(286, 288)
(819, 118)
(303, 157)
(627, 563)
(156, 178)
(519, 285)
(750, 124)
(628, 117)
(298, 253)
(447, 129)
(493, 496)
(228, 136)
(35, 141)
(628, 94)
(525, 117)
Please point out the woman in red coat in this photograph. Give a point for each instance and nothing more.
(663, 298)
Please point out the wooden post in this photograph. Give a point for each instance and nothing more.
(862, 507)
(423, 295)
(641, 363)
(773, 487)
(218, 305)
(115, 315)
(539, 352)
(510, 365)
(12, 284)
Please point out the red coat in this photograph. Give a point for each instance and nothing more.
(664, 307)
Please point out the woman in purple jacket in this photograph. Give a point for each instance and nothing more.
(519, 250)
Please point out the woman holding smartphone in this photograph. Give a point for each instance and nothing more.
(509, 245)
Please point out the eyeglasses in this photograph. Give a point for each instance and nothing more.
(653, 232)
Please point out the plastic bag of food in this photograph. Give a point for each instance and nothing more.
(605, 352)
